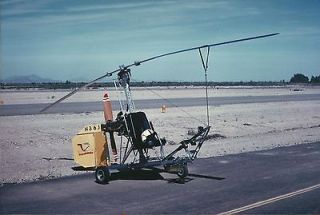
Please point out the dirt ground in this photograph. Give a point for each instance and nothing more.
(36, 147)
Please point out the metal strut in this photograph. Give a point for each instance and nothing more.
(124, 80)
(205, 68)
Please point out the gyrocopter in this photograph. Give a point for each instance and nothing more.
(93, 145)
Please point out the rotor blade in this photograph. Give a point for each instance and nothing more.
(152, 58)
(78, 89)
(204, 46)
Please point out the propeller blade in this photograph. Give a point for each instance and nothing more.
(153, 58)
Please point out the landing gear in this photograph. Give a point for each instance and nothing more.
(180, 169)
(102, 175)
(183, 171)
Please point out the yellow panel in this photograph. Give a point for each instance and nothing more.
(90, 149)
(83, 150)
(101, 150)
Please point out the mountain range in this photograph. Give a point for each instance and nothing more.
(27, 79)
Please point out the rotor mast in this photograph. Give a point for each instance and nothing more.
(124, 80)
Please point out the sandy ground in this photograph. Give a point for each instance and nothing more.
(35, 147)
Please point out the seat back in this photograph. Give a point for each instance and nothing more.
(138, 123)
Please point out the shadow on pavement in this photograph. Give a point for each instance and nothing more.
(155, 175)
(136, 175)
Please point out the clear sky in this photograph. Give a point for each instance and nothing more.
(81, 40)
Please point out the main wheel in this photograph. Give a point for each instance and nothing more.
(102, 175)
(183, 171)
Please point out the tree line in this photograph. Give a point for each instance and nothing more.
(297, 78)
(74, 85)
(301, 78)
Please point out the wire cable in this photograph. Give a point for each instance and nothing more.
(174, 105)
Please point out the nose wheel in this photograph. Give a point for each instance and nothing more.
(102, 175)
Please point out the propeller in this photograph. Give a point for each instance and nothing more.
(137, 63)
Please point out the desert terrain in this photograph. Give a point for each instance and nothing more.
(37, 147)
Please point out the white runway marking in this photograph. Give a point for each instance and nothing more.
(271, 200)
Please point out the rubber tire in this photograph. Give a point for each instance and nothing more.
(102, 175)
(183, 171)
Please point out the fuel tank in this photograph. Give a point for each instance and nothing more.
(90, 147)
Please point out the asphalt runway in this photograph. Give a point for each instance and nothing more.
(82, 107)
(239, 183)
